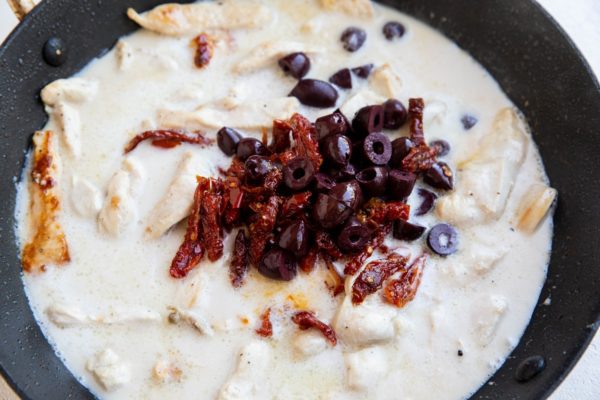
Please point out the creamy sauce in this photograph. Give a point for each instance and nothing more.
(116, 292)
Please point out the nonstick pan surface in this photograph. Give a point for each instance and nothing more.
(529, 55)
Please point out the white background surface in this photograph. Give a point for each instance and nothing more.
(581, 20)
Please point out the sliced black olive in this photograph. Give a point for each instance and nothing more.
(249, 146)
(353, 38)
(400, 149)
(332, 124)
(337, 149)
(377, 148)
(400, 184)
(348, 193)
(278, 264)
(342, 78)
(393, 30)
(298, 173)
(443, 239)
(394, 114)
(324, 182)
(363, 71)
(328, 212)
(368, 120)
(428, 199)
(295, 64)
(404, 230)
(257, 168)
(440, 176)
(373, 180)
(315, 93)
(227, 140)
(353, 236)
(441, 147)
(294, 237)
(468, 122)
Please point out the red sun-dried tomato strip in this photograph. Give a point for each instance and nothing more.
(191, 251)
(166, 143)
(308, 262)
(210, 217)
(421, 157)
(381, 212)
(294, 205)
(307, 320)
(238, 267)
(403, 290)
(376, 242)
(204, 49)
(281, 136)
(415, 120)
(164, 134)
(374, 274)
(234, 197)
(327, 246)
(266, 327)
(305, 140)
(261, 230)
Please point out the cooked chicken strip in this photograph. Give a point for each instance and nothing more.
(72, 90)
(119, 208)
(189, 19)
(250, 115)
(176, 203)
(48, 244)
(358, 8)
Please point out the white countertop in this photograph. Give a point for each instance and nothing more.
(581, 20)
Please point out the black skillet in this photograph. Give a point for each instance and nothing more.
(533, 60)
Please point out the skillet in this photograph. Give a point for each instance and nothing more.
(533, 60)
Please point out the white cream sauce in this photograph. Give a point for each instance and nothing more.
(106, 312)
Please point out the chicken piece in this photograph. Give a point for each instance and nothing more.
(534, 207)
(190, 19)
(487, 178)
(386, 82)
(191, 318)
(247, 382)
(365, 368)
(67, 118)
(362, 98)
(72, 90)
(250, 115)
(309, 343)
(486, 318)
(124, 53)
(119, 208)
(22, 7)
(109, 371)
(48, 244)
(86, 199)
(355, 8)
(65, 316)
(177, 202)
(363, 325)
(266, 54)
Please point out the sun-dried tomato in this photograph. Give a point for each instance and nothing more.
(308, 262)
(402, 290)
(307, 320)
(281, 136)
(210, 217)
(238, 267)
(237, 169)
(273, 180)
(415, 120)
(334, 282)
(327, 246)
(204, 50)
(191, 251)
(382, 212)
(375, 243)
(166, 134)
(266, 327)
(374, 274)
(234, 197)
(305, 138)
(166, 143)
(419, 159)
(294, 205)
(261, 230)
